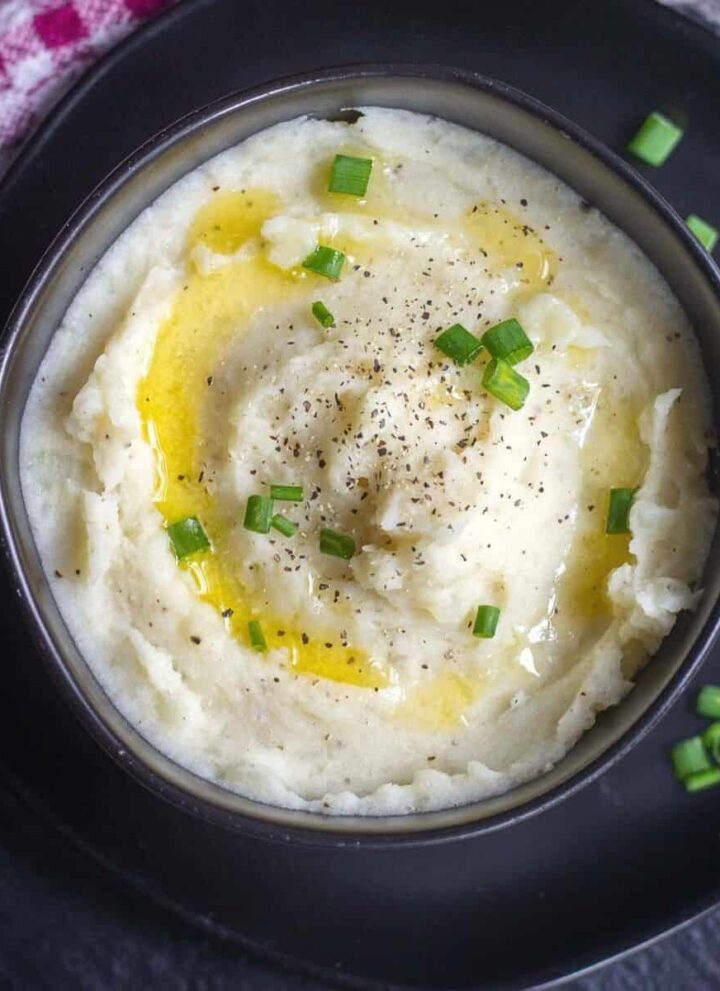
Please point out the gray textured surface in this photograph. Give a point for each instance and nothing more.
(706, 10)
(64, 925)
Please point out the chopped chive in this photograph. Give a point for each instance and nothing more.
(703, 779)
(337, 544)
(459, 344)
(507, 340)
(258, 514)
(706, 234)
(711, 739)
(323, 315)
(257, 638)
(486, 621)
(708, 702)
(502, 381)
(690, 757)
(325, 261)
(350, 175)
(187, 536)
(618, 517)
(283, 525)
(286, 493)
(656, 139)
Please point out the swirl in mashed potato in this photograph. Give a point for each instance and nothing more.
(190, 374)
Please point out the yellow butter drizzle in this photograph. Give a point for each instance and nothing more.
(613, 456)
(509, 243)
(441, 702)
(582, 590)
(210, 310)
(501, 237)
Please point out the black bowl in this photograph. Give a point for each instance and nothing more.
(474, 101)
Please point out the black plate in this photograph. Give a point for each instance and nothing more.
(628, 856)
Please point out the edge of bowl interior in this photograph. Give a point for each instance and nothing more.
(465, 98)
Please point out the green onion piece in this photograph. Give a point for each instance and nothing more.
(286, 493)
(507, 340)
(621, 501)
(708, 702)
(706, 234)
(187, 536)
(350, 175)
(323, 315)
(656, 139)
(502, 381)
(337, 544)
(283, 525)
(459, 344)
(690, 757)
(325, 261)
(703, 780)
(711, 739)
(258, 514)
(257, 638)
(486, 621)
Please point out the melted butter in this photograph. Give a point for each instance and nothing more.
(613, 456)
(501, 237)
(582, 589)
(228, 220)
(439, 704)
(209, 311)
(511, 244)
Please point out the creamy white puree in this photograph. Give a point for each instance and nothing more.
(454, 500)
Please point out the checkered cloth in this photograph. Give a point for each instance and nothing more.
(46, 44)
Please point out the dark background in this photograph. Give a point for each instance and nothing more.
(67, 924)
(65, 920)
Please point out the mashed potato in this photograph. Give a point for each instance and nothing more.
(191, 374)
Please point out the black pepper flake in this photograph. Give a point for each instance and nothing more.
(196, 640)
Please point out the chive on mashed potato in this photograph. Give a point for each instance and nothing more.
(320, 462)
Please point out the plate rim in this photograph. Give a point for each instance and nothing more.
(133, 881)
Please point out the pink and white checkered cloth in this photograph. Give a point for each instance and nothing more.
(46, 44)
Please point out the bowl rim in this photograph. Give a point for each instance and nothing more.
(323, 830)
